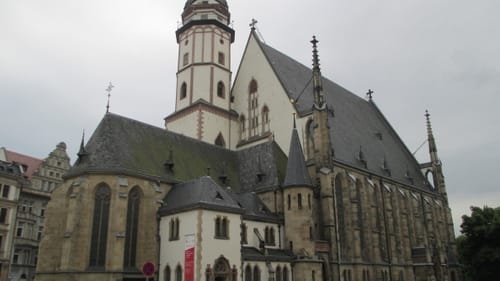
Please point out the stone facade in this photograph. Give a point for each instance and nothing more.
(10, 187)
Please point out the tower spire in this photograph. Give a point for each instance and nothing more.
(430, 139)
(317, 80)
(82, 152)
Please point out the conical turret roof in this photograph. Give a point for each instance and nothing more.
(296, 170)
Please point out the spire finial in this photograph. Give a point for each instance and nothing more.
(317, 83)
(109, 89)
(430, 138)
(82, 152)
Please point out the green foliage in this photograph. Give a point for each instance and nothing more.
(479, 246)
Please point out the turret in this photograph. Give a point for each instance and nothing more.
(298, 196)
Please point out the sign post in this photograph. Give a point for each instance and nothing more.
(148, 269)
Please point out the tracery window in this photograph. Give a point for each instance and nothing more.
(134, 200)
(219, 141)
(253, 104)
(221, 228)
(285, 274)
(242, 127)
(278, 274)
(174, 229)
(265, 119)
(100, 226)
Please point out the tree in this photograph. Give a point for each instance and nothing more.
(479, 246)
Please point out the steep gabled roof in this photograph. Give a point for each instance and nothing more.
(201, 193)
(254, 209)
(357, 127)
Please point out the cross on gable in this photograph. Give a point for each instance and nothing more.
(253, 23)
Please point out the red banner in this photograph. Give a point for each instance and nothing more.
(189, 258)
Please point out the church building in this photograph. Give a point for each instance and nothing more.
(277, 174)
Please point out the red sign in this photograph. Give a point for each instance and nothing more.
(148, 269)
(189, 257)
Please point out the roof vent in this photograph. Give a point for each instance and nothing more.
(379, 136)
(169, 164)
(219, 196)
(361, 157)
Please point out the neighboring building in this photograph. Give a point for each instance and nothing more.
(11, 179)
(40, 179)
(233, 189)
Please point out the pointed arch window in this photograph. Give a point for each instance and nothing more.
(167, 274)
(183, 92)
(253, 104)
(221, 228)
(221, 90)
(133, 209)
(265, 119)
(174, 229)
(248, 273)
(244, 230)
(219, 141)
(100, 226)
(178, 273)
(278, 274)
(243, 121)
(285, 274)
(256, 273)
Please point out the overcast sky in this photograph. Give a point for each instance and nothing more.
(58, 56)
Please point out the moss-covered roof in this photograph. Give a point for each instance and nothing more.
(121, 145)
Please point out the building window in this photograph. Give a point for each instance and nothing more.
(42, 210)
(299, 200)
(269, 235)
(174, 229)
(222, 58)
(30, 207)
(311, 233)
(256, 273)
(185, 59)
(166, 274)
(20, 229)
(1, 244)
(221, 228)
(253, 104)
(133, 209)
(5, 191)
(221, 90)
(183, 93)
(265, 119)
(40, 233)
(244, 231)
(219, 141)
(242, 127)
(248, 273)
(309, 201)
(285, 274)
(178, 273)
(3, 215)
(15, 258)
(278, 274)
(100, 226)
(289, 201)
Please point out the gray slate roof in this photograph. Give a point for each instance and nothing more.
(254, 208)
(200, 193)
(296, 170)
(356, 125)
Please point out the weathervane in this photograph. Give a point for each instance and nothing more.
(109, 89)
(253, 23)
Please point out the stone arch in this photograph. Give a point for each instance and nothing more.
(222, 269)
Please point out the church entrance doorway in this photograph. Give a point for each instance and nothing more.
(222, 271)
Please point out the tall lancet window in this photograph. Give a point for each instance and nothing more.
(253, 105)
(100, 226)
(133, 207)
(265, 119)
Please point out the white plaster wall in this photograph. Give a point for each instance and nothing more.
(254, 65)
(172, 252)
(188, 125)
(212, 125)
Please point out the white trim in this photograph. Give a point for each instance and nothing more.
(353, 178)
(414, 195)
(370, 182)
(402, 192)
(388, 188)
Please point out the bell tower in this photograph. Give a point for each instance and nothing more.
(203, 96)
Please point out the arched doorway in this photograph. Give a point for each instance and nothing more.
(222, 270)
